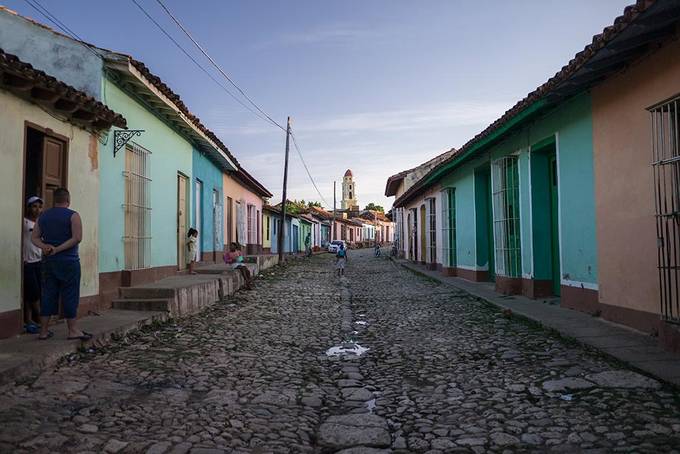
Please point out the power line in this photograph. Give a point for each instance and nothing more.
(217, 66)
(201, 67)
(306, 168)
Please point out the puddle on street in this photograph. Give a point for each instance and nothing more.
(350, 348)
(360, 322)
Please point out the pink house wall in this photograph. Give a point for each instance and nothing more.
(624, 188)
(238, 192)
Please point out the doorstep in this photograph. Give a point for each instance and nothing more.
(632, 347)
(25, 354)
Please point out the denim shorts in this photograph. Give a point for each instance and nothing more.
(60, 281)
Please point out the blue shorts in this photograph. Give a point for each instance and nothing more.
(60, 281)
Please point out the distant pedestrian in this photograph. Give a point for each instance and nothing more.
(341, 259)
(192, 249)
(58, 232)
(308, 245)
(32, 256)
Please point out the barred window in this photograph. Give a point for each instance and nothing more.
(449, 227)
(505, 192)
(432, 229)
(252, 225)
(137, 206)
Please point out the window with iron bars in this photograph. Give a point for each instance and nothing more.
(252, 225)
(432, 229)
(505, 192)
(448, 198)
(137, 206)
(666, 168)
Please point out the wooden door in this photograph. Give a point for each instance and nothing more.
(423, 235)
(554, 228)
(54, 169)
(230, 221)
(182, 212)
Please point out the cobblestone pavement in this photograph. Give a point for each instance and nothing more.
(257, 373)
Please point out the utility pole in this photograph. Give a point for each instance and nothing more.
(333, 230)
(282, 233)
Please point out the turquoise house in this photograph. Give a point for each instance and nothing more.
(517, 205)
(207, 214)
(161, 179)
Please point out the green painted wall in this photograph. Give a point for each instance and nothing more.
(572, 125)
(464, 182)
(170, 154)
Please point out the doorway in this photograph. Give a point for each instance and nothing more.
(182, 211)
(545, 214)
(217, 222)
(230, 222)
(296, 240)
(198, 220)
(484, 240)
(46, 165)
(423, 234)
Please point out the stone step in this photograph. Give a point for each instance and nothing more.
(146, 292)
(142, 304)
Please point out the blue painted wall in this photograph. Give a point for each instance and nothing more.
(58, 56)
(210, 232)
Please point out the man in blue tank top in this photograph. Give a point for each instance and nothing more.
(58, 232)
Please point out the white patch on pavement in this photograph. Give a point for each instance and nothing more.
(346, 349)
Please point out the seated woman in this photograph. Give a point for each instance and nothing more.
(234, 258)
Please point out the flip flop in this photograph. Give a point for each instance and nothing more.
(49, 334)
(83, 337)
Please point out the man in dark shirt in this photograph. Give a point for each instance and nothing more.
(58, 232)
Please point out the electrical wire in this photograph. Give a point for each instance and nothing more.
(201, 67)
(217, 66)
(297, 148)
(60, 25)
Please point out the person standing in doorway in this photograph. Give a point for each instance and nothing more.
(308, 245)
(32, 256)
(192, 249)
(58, 232)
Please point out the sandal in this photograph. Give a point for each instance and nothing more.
(83, 337)
(47, 336)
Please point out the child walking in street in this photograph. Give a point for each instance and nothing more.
(192, 249)
(341, 260)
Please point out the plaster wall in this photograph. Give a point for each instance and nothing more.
(210, 233)
(82, 182)
(624, 184)
(58, 56)
(171, 154)
(571, 125)
(463, 181)
(238, 192)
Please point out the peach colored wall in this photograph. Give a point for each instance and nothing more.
(624, 191)
(232, 188)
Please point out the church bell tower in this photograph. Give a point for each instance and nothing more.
(349, 193)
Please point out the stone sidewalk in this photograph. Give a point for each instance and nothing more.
(634, 348)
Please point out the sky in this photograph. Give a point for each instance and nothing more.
(376, 86)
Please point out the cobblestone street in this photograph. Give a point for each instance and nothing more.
(443, 372)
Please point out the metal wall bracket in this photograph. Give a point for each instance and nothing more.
(123, 136)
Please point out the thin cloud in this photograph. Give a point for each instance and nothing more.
(330, 34)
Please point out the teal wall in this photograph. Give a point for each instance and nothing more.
(464, 182)
(571, 124)
(211, 176)
(170, 154)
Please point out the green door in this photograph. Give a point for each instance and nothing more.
(554, 228)
(489, 230)
(453, 260)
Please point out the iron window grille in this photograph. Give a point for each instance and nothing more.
(666, 169)
(505, 193)
(432, 229)
(252, 225)
(137, 207)
(448, 197)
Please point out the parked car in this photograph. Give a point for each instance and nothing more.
(334, 245)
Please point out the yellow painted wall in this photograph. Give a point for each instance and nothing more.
(83, 182)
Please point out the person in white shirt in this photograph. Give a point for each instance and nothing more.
(32, 257)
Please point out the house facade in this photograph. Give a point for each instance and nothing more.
(50, 138)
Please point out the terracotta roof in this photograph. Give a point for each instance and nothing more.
(587, 68)
(393, 181)
(63, 100)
